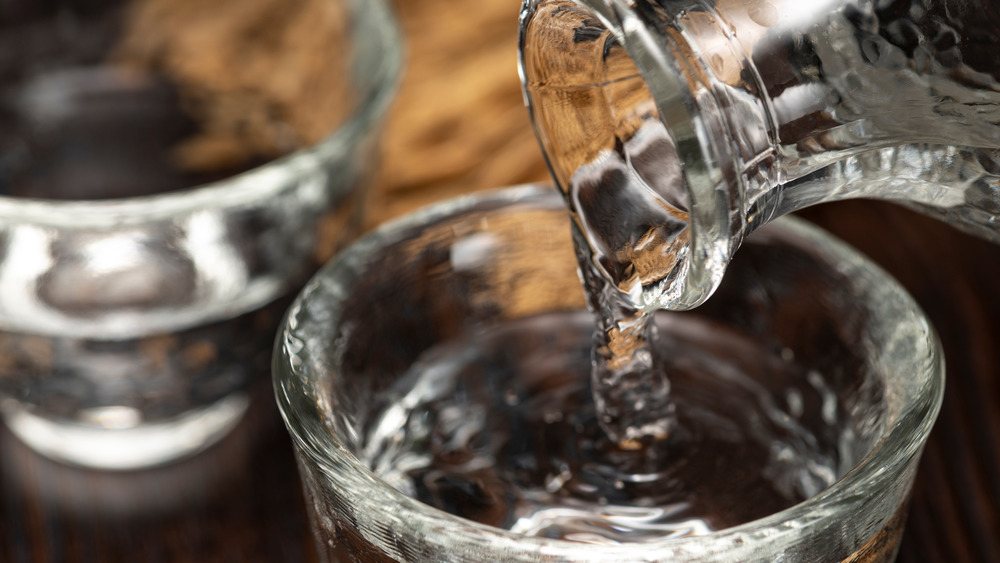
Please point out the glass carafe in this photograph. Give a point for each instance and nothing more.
(676, 127)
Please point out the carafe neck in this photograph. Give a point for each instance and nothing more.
(766, 107)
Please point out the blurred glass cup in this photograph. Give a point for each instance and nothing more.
(402, 303)
(169, 172)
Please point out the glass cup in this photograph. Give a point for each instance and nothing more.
(167, 179)
(386, 311)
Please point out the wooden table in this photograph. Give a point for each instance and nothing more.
(459, 126)
(955, 508)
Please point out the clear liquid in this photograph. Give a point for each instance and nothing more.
(684, 427)
(621, 176)
(629, 385)
(502, 429)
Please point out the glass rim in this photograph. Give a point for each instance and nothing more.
(899, 444)
(243, 189)
(711, 225)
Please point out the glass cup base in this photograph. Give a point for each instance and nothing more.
(116, 442)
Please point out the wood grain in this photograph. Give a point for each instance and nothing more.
(955, 510)
(459, 124)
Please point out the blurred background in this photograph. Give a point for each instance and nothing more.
(459, 125)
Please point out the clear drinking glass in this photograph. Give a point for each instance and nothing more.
(167, 177)
(379, 316)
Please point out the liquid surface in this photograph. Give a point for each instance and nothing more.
(502, 429)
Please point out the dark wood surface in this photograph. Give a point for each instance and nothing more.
(955, 507)
(459, 126)
(239, 501)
